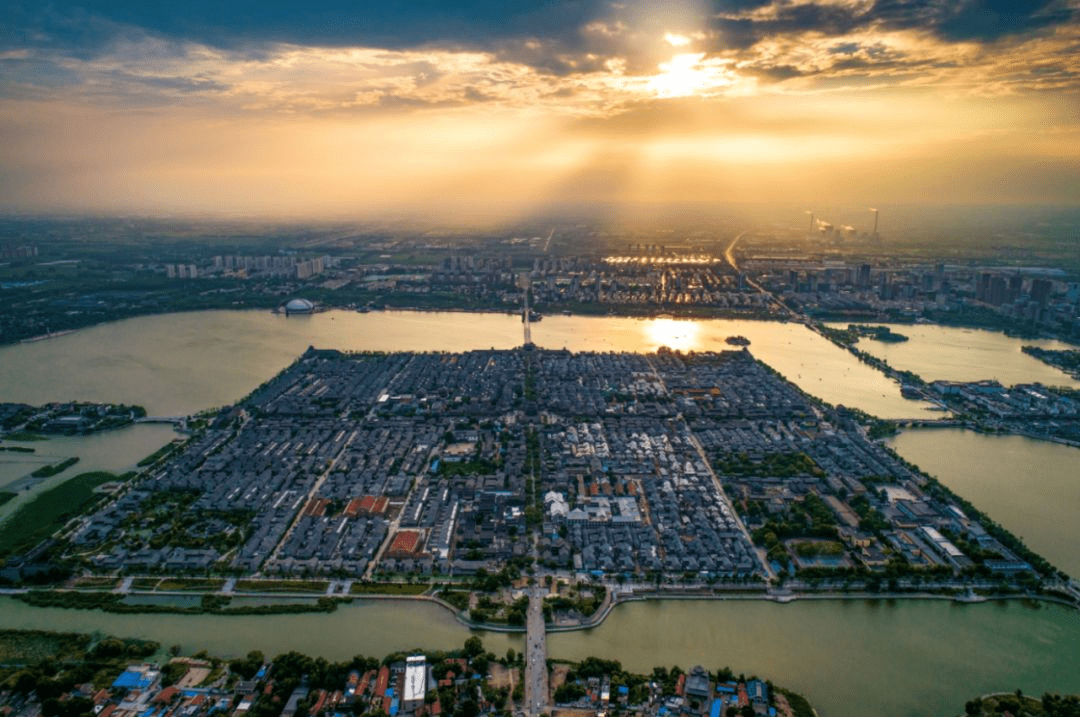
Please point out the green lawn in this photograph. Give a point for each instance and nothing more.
(199, 585)
(96, 583)
(282, 586)
(388, 588)
(49, 511)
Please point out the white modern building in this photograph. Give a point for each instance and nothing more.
(415, 683)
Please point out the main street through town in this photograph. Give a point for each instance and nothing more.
(536, 674)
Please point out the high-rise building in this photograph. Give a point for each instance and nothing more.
(998, 291)
(1040, 291)
(1016, 286)
(863, 279)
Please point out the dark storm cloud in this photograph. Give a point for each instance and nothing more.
(390, 23)
(978, 20)
(950, 20)
(485, 23)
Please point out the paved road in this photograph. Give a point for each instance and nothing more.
(536, 674)
(727, 501)
(729, 255)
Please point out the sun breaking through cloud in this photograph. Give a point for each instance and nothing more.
(468, 110)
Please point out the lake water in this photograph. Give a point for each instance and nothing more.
(850, 658)
(949, 353)
(181, 363)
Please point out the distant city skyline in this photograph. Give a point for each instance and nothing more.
(492, 110)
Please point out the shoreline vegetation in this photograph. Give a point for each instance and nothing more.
(23, 422)
(1067, 360)
(209, 604)
(1017, 703)
(106, 598)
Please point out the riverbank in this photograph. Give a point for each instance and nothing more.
(218, 603)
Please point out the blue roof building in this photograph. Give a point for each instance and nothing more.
(133, 680)
(758, 691)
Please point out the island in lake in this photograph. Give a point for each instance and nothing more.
(598, 477)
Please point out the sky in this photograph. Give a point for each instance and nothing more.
(495, 109)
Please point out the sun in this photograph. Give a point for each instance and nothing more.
(690, 73)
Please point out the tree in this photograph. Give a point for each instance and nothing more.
(474, 646)
(468, 708)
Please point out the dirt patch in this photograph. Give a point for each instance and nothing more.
(193, 677)
(503, 676)
(561, 712)
(558, 676)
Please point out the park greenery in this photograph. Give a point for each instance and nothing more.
(39, 518)
(51, 470)
(779, 465)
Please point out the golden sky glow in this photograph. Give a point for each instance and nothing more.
(641, 107)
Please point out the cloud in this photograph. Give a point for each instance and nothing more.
(469, 24)
(332, 105)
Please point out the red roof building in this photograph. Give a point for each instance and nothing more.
(405, 542)
(166, 696)
(383, 682)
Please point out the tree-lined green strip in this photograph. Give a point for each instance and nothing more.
(47, 513)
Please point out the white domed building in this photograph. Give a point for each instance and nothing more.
(299, 306)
